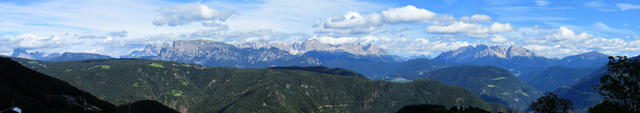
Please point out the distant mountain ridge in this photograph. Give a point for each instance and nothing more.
(316, 45)
(477, 51)
(258, 54)
(518, 60)
(543, 73)
(67, 56)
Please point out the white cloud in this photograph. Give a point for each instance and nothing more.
(470, 29)
(336, 40)
(118, 33)
(350, 23)
(476, 18)
(542, 2)
(291, 16)
(355, 23)
(564, 41)
(407, 14)
(625, 6)
(188, 13)
(601, 25)
(498, 38)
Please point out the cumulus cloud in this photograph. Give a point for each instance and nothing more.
(398, 45)
(118, 33)
(625, 6)
(350, 23)
(355, 23)
(90, 36)
(407, 14)
(498, 38)
(86, 43)
(564, 41)
(188, 13)
(470, 29)
(476, 18)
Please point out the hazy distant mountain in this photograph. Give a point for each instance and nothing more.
(23, 53)
(585, 60)
(78, 56)
(582, 93)
(526, 65)
(491, 83)
(419, 56)
(265, 54)
(149, 51)
(471, 53)
(555, 77)
(200, 89)
(518, 60)
(316, 45)
(213, 53)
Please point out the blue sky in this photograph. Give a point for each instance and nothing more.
(410, 27)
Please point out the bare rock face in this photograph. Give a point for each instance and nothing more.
(213, 53)
(254, 54)
(478, 51)
(516, 59)
(317, 45)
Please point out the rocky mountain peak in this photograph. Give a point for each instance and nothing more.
(478, 51)
(316, 45)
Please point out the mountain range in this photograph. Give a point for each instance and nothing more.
(194, 88)
(67, 56)
(522, 75)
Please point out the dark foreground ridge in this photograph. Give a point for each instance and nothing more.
(34, 92)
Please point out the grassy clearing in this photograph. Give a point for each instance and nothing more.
(135, 85)
(176, 93)
(499, 78)
(156, 65)
(32, 62)
(103, 66)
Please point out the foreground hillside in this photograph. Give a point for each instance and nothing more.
(34, 92)
(192, 88)
(491, 83)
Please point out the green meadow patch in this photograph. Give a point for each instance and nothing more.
(32, 62)
(156, 65)
(499, 78)
(102, 66)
